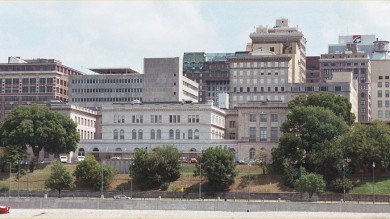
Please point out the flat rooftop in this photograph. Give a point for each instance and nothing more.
(114, 70)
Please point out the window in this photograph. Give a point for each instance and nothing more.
(122, 134)
(158, 134)
(115, 134)
(196, 134)
(379, 103)
(379, 93)
(232, 135)
(190, 134)
(380, 114)
(134, 134)
(386, 84)
(232, 124)
(152, 134)
(174, 118)
(252, 117)
(274, 134)
(362, 102)
(263, 133)
(387, 104)
(263, 117)
(274, 117)
(252, 152)
(177, 136)
(252, 133)
(171, 134)
(337, 88)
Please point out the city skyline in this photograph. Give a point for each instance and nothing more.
(121, 34)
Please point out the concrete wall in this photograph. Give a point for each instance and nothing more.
(195, 205)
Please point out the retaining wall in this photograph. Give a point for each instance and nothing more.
(195, 205)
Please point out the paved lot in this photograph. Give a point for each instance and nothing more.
(91, 213)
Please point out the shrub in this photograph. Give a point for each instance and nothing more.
(337, 185)
(164, 186)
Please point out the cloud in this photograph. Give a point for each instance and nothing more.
(103, 34)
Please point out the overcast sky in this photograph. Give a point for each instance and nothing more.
(94, 34)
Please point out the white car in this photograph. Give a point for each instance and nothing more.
(80, 158)
(121, 197)
(63, 159)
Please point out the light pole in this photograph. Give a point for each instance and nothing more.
(131, 180)
(344, 180)
(9, 190)
(101, 187)
(373, 182)
(200, 183)
(249, 185)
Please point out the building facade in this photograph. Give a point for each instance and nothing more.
(162, 81)
(259, 76)
(211, 71)
(364, 43)
(359, 64)
(27, 81)
(283, 39)
(380, 82)
(190, 127)
(313, 74)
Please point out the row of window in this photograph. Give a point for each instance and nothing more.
(84, 121)
(344, 64)
(258, 64)
(28, 81)
(387, 114)
(86, 134)
(387, 84)
(108, 90)
(260, 72)
(387, 93)
(255, 90)
(263, 117)
(257, 98)
(33, 89)
(261, 81)
(108, 99)
(263, 134)
(156, 134)
(107, 81)
(156, 119)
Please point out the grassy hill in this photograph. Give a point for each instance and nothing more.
(248, 178)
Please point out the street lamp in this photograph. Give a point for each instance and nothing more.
(344, 180)
(101, 187)
(131, 180)
(249, 184)
(200, 183)
(373, 182)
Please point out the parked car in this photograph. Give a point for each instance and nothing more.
(80, 158)
(63, 159)
(115, 158)
(241, 161)
(121, 197)
(183, 160)
(193, 160)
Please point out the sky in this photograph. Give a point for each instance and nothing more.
(105, 34)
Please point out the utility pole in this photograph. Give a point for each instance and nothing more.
(101, 188)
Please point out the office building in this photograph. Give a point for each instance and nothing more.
(364, 43)
(27, 81)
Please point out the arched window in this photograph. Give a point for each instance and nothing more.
(134, 134)
(232, 150)
(118, 149)
(81, 152)
(190, 134)
(193, 149)
(252, 152)
(177, 134)
(140, 134)
(115, 134)
(123, 119)
(170, 134)
(196, 134)
(122, 134)
(136, 149)
(363, 94)
(159, 134)
(152, 134)
(95, 149)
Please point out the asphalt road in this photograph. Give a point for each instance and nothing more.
(91, 213)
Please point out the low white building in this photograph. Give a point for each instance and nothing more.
(190, 127)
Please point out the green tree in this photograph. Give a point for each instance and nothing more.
(12, 155)
(307, 132)
(89, 173)
(40, 128)
(217, 164)
(162, 165)
(367, 143)
(260, 160)
(59, 179)
(310, 183)
(339, 105)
